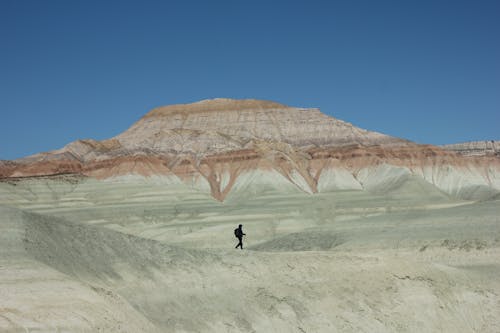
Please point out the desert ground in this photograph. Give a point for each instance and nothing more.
(136, 254)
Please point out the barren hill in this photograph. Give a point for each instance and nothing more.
(223, 144)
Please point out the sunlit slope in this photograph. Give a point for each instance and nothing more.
(396, 256)
(347, 230)
(36, 297)
(404, 210)
(449, 287)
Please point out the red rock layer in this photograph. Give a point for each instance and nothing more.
(222, 170)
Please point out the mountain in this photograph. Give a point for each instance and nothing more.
(225, 146)
(347, 230)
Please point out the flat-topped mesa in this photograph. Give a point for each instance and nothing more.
(225, 146)
(216, 104)
(221, 125)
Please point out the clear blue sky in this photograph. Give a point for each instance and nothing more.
(428, 71)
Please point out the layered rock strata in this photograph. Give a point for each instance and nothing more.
(475, 148)
(224, 146)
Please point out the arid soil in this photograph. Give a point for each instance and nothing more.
(347, 230)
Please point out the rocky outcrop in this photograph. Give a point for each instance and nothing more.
(475, 148)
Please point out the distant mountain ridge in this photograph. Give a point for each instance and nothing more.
(224, 146)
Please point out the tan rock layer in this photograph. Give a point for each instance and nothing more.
(475, 148)
(218, 104)
(225, 125)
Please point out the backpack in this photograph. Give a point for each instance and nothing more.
(237, 232)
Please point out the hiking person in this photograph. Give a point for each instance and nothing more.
(238, 233)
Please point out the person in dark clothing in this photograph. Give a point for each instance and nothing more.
(238, 232)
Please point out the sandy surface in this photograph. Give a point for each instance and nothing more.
(136, 257)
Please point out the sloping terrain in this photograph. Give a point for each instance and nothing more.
(36, 297)
(348, 230)
(349, 269)
(226, 145)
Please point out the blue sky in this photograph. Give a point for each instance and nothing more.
(428, 71)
